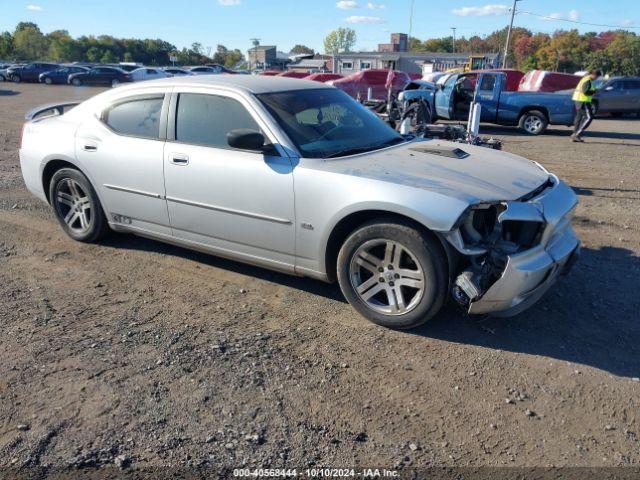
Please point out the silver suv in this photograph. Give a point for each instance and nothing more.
(298, 177)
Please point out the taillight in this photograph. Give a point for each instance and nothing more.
(21, 136)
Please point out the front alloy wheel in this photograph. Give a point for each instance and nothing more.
(387, 277)
(392, 273)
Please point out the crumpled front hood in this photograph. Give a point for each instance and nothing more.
(483, 175)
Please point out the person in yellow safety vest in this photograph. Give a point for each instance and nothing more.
(583, 98)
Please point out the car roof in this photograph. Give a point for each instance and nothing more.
(247, 83)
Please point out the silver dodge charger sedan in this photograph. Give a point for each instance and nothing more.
(298, 177)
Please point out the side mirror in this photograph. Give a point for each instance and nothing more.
(246, 139)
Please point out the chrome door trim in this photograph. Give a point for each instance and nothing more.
(136, 192)
(241, 213)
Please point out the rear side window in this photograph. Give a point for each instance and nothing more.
(632, 84)
(206, 119)
(136, 118)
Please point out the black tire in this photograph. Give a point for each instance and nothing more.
(48, 81)
(97, 226)
(76, 82)
(16, 78)
(428, 255)
(533, 122)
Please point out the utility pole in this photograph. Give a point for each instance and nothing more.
(454, 39)
(506, 47)
(256, 43)
(411, 21)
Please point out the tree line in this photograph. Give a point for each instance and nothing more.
(614, 52)
(28, 43)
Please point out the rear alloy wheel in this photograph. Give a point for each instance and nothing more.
(77, 206)
(115, 82)
(76, 82)
(392, 274)
(533, 122)
(48, 80)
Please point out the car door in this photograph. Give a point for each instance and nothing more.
(95, 77)
(122, 148)
(610, 98)
(444, 98)
(488, 91)
(633, 87)
(226, 199)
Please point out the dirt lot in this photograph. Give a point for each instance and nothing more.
(139, 352)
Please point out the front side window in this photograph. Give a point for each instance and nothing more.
(488, 82)
(206, 119)
(136, 118)
(325, 123)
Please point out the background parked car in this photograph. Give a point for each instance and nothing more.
(618, 95)
(146, 73)
(358, 83)
(126, 66)
(4, 75)
(210, 70)
(323, 77)
(293, 74)
(29, 72)
(177, 72)
(61, 75)
(269, 73)
(100, 76)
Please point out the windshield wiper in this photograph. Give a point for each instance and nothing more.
(352, 151)
(369, 148)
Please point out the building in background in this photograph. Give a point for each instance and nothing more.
(262, 57)
(399, 43)
(395, 55)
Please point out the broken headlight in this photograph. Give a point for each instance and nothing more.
(507, 226)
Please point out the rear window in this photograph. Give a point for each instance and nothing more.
(136, 118)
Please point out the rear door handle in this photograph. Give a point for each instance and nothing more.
(179, 159)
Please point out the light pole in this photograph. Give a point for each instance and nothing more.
(454, 39)
(506, 47)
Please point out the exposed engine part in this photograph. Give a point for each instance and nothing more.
(474, 281)
(466, 288)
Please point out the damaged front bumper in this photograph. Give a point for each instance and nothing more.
(506, 281)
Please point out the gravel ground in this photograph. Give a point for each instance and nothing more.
(137, 354)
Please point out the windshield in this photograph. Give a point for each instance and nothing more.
(328, 123)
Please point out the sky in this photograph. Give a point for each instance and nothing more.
(285, 23)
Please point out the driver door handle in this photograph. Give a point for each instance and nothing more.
(179, 159)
